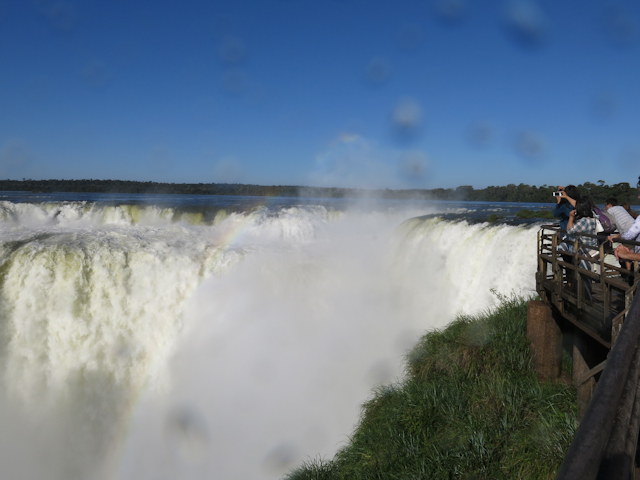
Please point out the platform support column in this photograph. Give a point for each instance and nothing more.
(546, 340)
(582, 362)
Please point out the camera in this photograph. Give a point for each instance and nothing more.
(557, 194)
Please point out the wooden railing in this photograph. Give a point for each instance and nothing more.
(605, 445)
(587, 285)
(594, 294)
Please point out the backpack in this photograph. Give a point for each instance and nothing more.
(604, 220)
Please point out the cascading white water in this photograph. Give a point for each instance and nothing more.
(135, 346)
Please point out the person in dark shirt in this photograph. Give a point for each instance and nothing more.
(566, 202)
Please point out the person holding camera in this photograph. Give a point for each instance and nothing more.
(566, 198)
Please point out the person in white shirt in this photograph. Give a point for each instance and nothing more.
(621, 217)
(622, 252)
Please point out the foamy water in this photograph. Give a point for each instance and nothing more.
(148, 343)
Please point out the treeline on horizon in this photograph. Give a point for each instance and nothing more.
(599, 192)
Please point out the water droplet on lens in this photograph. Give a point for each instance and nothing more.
(96, 74)
(630, 159)
(619, 27)
(604, 106)
(525, 23)
(162, 157)
(232, 51)
(234, 82)
(481, 134)
(410, 37)
(530, 145)
(378, 70)
(451, 11)
(14, 153)
(4, 9)
(380, 372)
(280, 459)
(407, 118)
(204, 110)
(186, 431)
(227, 170)
(62, 16)
(413, 165)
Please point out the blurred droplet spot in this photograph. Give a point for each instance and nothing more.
(61, 15)
(604, 106)
(525, 23)
(187, 434)
(204, 110)
(96, 74)
(413, 165)
(481, 134)
(38, 89)
(315, 438)
(477, 334)
(162, 157)
(410, 37)
(123, 350)
(377, 71)
(127, 53)
(14, 153)
(630, 160)
(620, 28)
(281, 458)
(406, 118)
(262, 371)
(381, 371)
(227, 170)
(407, 339)
(450, 12)
(234, 82)
(256, 95)
(232, 50)
(530, 145)
(4, 9)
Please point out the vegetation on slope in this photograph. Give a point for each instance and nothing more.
(470, 407)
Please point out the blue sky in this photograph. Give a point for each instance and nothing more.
(359, 93)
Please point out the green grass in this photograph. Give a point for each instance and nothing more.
(470, 407)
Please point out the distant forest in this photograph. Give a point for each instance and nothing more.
(599, 191)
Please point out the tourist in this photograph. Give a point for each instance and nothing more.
(627, 207)
(621, 217)
(566, 203)
(632, 233)
(582, 220)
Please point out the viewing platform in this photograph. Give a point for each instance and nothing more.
(589, 294)
(587, 307)
(590, 288)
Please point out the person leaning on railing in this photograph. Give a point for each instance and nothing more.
(621, 217)
(633, 233)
